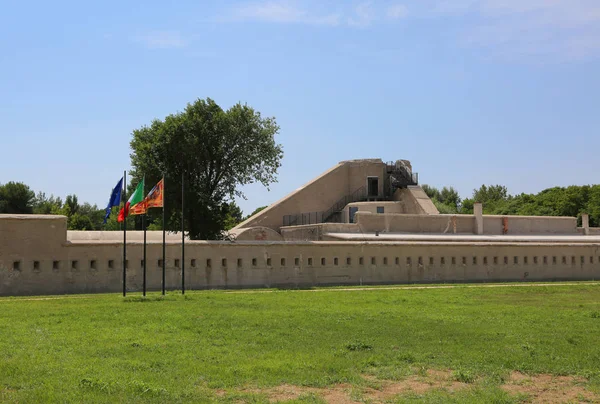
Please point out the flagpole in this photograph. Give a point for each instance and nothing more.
(144, 226)
(182, 238)
(164, 226)
(124, 236)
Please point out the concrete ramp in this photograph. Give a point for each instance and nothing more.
(321, 193)
(416, 201)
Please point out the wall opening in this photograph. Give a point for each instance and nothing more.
(283, 262)
(361, 261)
(408, 261)
(474, 260)
(453, 260)
(348, 261)
(74, 264)
(335, 261)
(141, 263)
(224, 262)
(209, 263)
(193, 263)
(397, 261)
(385, 261)
(443, 261)
(269, 262)
(176, 263)
(372, 186)
(111, 264)
(36, 265)
(297, 262)
(430, 260)
(380, 209)
(526, 260)
(323, 261)
(535, 260)
(239, 263)
(159, 263)
(351, 212)
(16, 265)
(55, 265)
(373, 261)
(310, 261)
(253, 262)
(93, 264)
(495, 260)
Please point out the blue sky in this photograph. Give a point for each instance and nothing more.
(471, 91)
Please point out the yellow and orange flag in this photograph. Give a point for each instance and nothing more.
(154, 199)
(156, 196)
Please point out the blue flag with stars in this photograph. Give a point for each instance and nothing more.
(115, 199)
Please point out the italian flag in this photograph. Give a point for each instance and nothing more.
(135, 198)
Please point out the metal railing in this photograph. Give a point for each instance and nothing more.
(359, 195)
(322, 217)
(401, 175)
(303, 218)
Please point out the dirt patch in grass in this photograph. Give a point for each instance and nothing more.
(386, 390)
(537, 388)
(546, 388)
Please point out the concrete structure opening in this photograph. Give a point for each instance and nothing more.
(372, 187)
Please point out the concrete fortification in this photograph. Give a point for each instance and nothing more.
(361, 222)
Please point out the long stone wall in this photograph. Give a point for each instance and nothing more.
(88, 268)
(37, 259)
(465, 224)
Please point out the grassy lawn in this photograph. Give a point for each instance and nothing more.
(467, 344)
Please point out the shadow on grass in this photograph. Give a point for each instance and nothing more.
(151, 299)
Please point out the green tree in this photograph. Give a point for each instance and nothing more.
(216, 151)
(233, 215)
(255, 211)
(432, 192)
(449, 196)
(72, 203)
(447, 201)
(492, 197)
(95, 214)
(79, 222)
(43, 205)
(16, 198)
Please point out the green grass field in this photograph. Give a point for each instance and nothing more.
(464, 344)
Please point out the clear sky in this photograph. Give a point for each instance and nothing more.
(471, 91)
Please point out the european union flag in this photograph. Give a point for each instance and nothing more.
(115, 199)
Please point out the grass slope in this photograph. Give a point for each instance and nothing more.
(104, 348)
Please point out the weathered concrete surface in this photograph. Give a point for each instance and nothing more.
(314, 232)
(321, 193)
(256, 234)
(37, 259)
(414, 223)
(371, 207)
(494, 224)
(86, 267)
(415, 201)
(463, 238)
